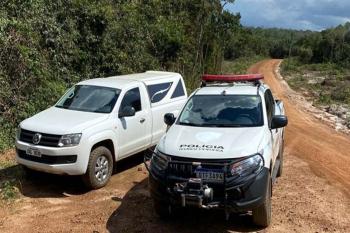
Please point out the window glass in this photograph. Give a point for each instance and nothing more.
(269, 106)
(179, 90)
(89, 98)
(158, 91)
(132, 98)
(223, 111)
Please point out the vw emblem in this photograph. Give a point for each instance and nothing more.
(36, 138)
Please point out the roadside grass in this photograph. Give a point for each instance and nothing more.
(326, 83)
(240, 65)
(11, 177)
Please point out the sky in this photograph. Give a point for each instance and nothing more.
(296, 14)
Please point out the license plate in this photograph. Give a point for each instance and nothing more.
(33, 152)
(210, 175)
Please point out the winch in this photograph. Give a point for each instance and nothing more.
(194, 193)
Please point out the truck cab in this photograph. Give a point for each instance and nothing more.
(98, 122)
(223, 151)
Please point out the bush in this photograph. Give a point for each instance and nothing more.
(305, 55)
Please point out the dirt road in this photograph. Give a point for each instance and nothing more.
(311, 196)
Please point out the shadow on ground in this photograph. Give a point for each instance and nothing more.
(40, 185)
(136, 214)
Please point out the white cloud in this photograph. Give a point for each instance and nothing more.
(297, 14)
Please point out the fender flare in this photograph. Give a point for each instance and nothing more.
(102, 136)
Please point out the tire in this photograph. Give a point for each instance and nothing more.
(280, 169)
(262, 214)
(162, 209)
(100, 168)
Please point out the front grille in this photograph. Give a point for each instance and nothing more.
(185, 167)
(48, 159)
(50, 140)
(181, 170)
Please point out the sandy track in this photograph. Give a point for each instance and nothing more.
(311, 196)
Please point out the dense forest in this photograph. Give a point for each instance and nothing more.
(47, 46)
(328, 46)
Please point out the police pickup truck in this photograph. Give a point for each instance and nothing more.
(99, 122)
(224, 151)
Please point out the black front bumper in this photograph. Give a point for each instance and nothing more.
(236, 197)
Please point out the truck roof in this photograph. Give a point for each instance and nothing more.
(235, 89)
(121, 81)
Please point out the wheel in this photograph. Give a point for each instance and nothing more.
(100, 168)
(163, 209)
(262, 214)
(280, 169)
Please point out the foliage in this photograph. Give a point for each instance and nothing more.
(327, 83)
(329, 46)
(239, 65)
(11, 177)
(47, 46)
(273, 42)
(9, 190)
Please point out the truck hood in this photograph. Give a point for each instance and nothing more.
(62, 121)
(211, 143)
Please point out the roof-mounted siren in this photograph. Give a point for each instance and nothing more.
(231, 78)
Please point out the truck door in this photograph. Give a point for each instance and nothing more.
(133, 132)
(270, 110)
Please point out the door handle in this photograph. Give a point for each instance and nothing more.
(142, 120)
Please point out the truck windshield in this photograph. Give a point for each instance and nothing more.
(89, 98)
(223, 111)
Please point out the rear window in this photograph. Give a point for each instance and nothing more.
(157, 92)
(179, 90)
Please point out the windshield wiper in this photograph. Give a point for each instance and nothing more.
(190, 124)
(59, 106)
(224, 125)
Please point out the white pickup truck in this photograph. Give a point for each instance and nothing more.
(98, 122)
(224, 151)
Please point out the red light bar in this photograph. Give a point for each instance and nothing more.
(232, 77)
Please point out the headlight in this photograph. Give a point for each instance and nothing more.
(248, 166)
(18, 132)
(69, 140)
(159, 160)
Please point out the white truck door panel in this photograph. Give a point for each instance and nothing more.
(275, 138)
(271, 111)
(158, 112)
(132, 134)
(134, 131)
(167, 96)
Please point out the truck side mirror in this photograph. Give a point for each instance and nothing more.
(279, 121)
(127, 111)
(169, 119)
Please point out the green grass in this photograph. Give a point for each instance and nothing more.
(334, 89)
(9, 190)
(240, 65)
(11, 176)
